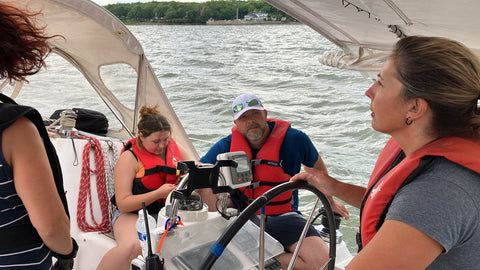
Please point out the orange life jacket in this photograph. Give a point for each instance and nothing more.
(267, 170)
(381, 189)
(154, 171)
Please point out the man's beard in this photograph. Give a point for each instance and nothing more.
(256, 135)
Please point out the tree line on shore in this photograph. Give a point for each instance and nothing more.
(192, 12)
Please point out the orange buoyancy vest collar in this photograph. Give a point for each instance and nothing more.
(266, 175)
(379, 194)
(153, 170)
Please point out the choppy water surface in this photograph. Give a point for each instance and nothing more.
(203, 68)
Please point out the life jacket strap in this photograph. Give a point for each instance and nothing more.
(289, 200)
(255, 185)
(255, 162)
(159, 168)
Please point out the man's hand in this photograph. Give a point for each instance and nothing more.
(339, 207)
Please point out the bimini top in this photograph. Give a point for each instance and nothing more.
(91, 38)
(366, 30)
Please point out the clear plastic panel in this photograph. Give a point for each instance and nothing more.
(186, 247)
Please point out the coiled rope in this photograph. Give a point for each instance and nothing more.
(110, 156)
(85, 190)
(67, 119)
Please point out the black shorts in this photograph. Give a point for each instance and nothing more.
(286, 228)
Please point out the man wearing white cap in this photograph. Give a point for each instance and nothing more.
(277, 152)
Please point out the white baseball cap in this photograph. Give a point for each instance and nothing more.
(245, 102)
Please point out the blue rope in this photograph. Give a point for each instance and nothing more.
(173, 225)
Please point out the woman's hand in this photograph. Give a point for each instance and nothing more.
(324, 183)
(319, 179)
(350, 194)
(165, 189)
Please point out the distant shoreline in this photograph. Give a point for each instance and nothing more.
(218, 22)
(243, 22)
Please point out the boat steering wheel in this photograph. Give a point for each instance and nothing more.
(260, 202)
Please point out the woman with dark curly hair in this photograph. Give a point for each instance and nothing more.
(34, 223)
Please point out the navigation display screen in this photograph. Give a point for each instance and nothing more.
(243, 164)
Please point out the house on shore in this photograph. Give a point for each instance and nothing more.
(256, 16)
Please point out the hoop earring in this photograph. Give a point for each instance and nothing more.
(408, 121)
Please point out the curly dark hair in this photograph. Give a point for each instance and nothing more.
(23, 44)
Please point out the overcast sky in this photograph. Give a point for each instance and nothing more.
(106, 2)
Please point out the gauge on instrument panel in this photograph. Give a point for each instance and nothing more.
(241, 175)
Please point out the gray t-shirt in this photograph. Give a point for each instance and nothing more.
(444, 203)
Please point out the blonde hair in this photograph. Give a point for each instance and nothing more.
(447, 75)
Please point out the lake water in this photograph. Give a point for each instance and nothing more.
(203, 68)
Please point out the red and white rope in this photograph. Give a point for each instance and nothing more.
(85, 188)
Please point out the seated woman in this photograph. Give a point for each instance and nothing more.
(135, 184)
